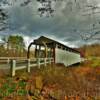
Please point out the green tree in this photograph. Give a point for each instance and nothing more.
(16, 43)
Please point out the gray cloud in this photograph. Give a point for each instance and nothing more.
(66, 25)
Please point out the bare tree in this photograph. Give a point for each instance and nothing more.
(4, 14)
(3, 19)
(89, 36)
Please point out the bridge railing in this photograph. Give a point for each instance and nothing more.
(17, 64)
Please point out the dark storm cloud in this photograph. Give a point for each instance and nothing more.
(66, 25)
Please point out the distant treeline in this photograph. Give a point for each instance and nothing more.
(90, 50)
(13, 46)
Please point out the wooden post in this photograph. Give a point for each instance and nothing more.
(45, 52)
(50, 60)
(13, 67)
(45, 61)
(38, 62)
(39, 51)
(54, 54)
(28, 53)
(35, 50)
(8, 61)
(37, 54)
(28, 66)
(50, 52)
(54, 50)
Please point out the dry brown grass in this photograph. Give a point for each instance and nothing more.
(59, 82)
(90, 50)
(56, 82)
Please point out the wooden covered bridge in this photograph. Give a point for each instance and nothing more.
(49, 48)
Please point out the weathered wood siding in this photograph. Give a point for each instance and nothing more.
(66, 57)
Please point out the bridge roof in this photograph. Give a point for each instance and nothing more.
(41, 40)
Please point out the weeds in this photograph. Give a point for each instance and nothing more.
(52, 83)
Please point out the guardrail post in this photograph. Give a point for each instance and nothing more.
(28, 66)
(45, 61)
(13, 66)
(38, 62)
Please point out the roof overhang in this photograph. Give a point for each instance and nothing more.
(44, 40)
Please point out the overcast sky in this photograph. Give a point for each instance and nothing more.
(69, 21)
